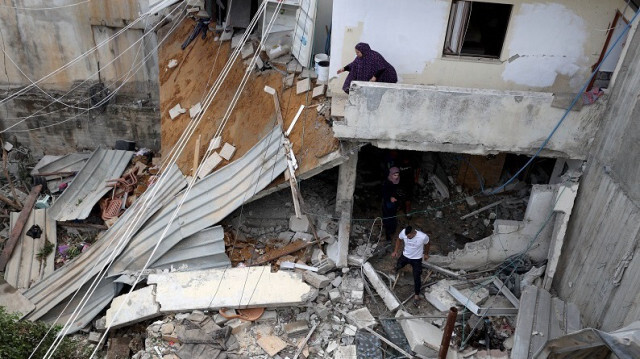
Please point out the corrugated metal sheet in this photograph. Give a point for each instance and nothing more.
(208, 202)
(25, 267)
(542, 318)
(89, 185)
(61, 285)
(72, 162)
(203, 250)
(592, 343)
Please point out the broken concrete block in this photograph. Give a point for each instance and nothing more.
(172, 63)
(346, 352)
(220, 320)
(424, 338)
(235, 41)
(209, 164)
(318, 91)
(471, 202)
(361, 318)
(285, 236)
(316, 280)
(336, 282)
(307, 237)
(294, 66)
(271, 344)
(299, 224)
(269, 316)
(355, 260)
(234, 287)
(215, 143)
(317, 256)
(226, 35)
(132, 308)
(278, 51)
(247, 50)
(167, 328)
(94, 337)
(296, 328)
(308, 74)
(227, 151)
(326, 265)
(321, 310)
(197, 316)
(288, 80)
(357, 297)
(237, 325)
(335, 295)
(350, 330)
(176, 111)
(303, 86)
(441, 187)
(195, 110)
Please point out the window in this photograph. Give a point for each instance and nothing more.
(476, 28)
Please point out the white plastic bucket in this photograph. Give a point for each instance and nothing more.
(322, 67)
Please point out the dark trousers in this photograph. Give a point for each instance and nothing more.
(416, 265)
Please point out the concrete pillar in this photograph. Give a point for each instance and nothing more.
(344, 205)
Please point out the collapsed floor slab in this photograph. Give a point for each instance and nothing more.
(247, 287)
(532, 235)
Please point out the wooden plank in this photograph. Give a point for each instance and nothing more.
(196, 156)
(277, 253)
(541, 325)
(17, 230)
(524, 323)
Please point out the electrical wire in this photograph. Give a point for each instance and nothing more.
(78, 58)
(45, 8)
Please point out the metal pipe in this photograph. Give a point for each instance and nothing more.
(448, 329)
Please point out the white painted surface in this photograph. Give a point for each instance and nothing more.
(550, 40)
(557, 42)
(474, 121)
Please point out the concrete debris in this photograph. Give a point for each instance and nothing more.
(361, 318)
(176, 111)
(272, 344)
(133, 307)
(346, 352)
(247, 50)
(424, 338)
(387, 296)
(246, 287)
(441, 187)
(533, 277)
(316, 280)
(195, 110)
(278, 51)
(318, 91)
(308, 74)
(172, 63)
(210, 163)
(299, 224)
(303, 86)
(227, 151)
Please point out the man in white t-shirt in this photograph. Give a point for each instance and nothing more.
(415, 243)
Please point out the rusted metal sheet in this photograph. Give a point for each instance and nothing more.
(542, 318)
(203, 250)
(209, 201)
(29, 262)
(89, 185)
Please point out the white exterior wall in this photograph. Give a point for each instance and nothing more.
(550, 46)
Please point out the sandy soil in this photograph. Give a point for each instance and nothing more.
(254, 114)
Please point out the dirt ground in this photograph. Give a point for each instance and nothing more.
(254, 115)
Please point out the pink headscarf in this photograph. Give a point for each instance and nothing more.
(392, 171)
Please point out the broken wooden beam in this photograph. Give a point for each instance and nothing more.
(387, 296)
(277, 253)
(482, 209)
(17, 230)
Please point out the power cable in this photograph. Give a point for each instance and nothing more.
(136, 219)
(102, 101)
(78, 58)
(44, 8)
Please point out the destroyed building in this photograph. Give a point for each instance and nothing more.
(188, 179)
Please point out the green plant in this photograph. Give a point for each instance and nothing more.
(44, 252)
(18, 339)
(72, 252)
